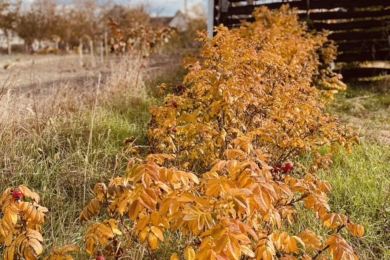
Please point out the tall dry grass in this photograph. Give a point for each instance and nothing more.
(63, 141)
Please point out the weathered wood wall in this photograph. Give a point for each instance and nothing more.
(361, 28)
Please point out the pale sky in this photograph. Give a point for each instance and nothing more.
(155, 7)
(165, 7)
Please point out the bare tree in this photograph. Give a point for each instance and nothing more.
(8, 17)
(37, 22)
(128, 17)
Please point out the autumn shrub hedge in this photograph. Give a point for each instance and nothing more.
(222, 173)
(252, 88)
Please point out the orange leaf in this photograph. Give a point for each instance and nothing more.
(174, 256)
(189, 253)
(157, 232)
(152, 241)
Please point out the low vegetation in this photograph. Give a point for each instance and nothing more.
(232, 187)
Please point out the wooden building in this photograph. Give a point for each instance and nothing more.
(360, 28)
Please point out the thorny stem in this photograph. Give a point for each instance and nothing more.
(150, 253)
(291, 203)
(284, 157)
(325, 248)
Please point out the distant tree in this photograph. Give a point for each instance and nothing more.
(89, 17)
(8, 17)
(37, 22)
(63, 29)
(128, 17)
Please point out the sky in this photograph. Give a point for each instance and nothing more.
(155, 7)
(165, 7)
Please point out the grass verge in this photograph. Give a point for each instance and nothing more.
(62, 153)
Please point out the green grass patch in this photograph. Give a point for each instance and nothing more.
(361, 190)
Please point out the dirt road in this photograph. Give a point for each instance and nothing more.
(32, 71)
(27, 81)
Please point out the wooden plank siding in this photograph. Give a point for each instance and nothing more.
(360, 28)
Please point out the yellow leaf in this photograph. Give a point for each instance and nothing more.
(103, 231)
(235, 154)
(152, 241)
(100, 190)
(157, 232)
(142, 222)
(355, 229)
(265, 256)
(10, 217)
(143, 234)
(147, 201)
(134, 210)
(90, 245)
(155, 218)
(310, 239)
(36, 246)
(29, 254)
(34, 234)
(233, 249)
(67, 248)
(114, 227)
(5, 194)
(242, 238)
(28, 193)
(360, 230)
(9, 252)
(174, 256)
(8, 239)
(247, 251)
(240, 201)
(189, 253)
(193, 177)
(292, 245)
(221, 243)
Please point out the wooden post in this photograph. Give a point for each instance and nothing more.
(93, 63)
(105, 43)
(101, 52)
(9, 45)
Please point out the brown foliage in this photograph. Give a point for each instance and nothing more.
(248, 109)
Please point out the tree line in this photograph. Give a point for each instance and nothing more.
(66, 24)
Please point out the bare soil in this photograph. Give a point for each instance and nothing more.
(29, 80)
(33, 83)
(369, 116)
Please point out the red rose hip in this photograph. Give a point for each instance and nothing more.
(17, 195)
(287, 167)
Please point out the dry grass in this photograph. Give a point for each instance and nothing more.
(62, 140)
(366, 107)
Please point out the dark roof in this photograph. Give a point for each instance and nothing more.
(160, 21)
